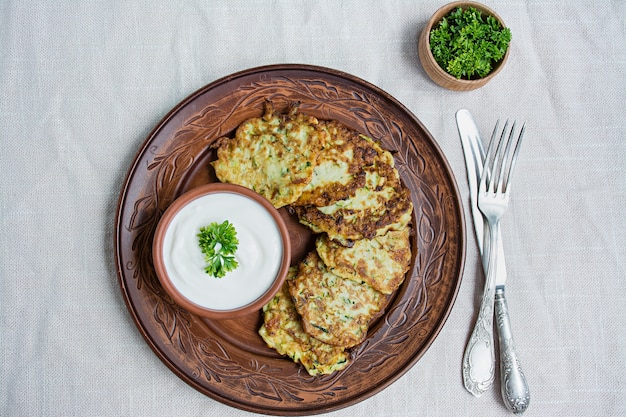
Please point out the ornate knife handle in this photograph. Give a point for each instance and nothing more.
(479, 358)
(514, 387)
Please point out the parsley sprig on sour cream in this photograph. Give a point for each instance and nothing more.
(218, 242)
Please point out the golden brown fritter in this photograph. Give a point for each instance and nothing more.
(282, 330)
(273, 155)
(381, 262)
(334, 310)
(382, 204)
(339, 170)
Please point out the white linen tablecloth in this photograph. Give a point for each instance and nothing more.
(82, 83)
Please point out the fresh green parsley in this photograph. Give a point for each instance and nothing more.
(467, 44)
(218, 243)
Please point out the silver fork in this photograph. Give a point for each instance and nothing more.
(493, 201)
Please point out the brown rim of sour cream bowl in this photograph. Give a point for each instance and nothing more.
(263, 252)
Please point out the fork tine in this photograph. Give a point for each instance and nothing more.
(494, 159)
(504, 159)
(498, 160)
(485, 179)
(514, 159)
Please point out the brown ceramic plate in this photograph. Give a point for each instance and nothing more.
(227, 360)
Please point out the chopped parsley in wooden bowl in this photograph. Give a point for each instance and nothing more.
(464, 45)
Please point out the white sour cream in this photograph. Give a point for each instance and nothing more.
(259, 253)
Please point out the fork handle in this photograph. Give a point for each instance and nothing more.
(514, 387)
(479, 357)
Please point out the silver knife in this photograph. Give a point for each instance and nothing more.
(514, 386)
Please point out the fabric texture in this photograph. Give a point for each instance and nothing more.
(83, 83)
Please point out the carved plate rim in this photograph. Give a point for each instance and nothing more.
(439, 230)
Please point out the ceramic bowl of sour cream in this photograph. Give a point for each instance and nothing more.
(262, 251)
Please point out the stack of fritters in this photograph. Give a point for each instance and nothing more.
(343, 186)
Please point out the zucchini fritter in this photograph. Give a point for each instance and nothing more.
(282, 330)
(381, 262)
(334, 310)
(338, 172)
(382, 204)
(273, 155)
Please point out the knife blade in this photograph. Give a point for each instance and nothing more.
(474, 157)
(513, 387)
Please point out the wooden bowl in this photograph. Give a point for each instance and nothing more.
(263, 240)
(434, 70)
